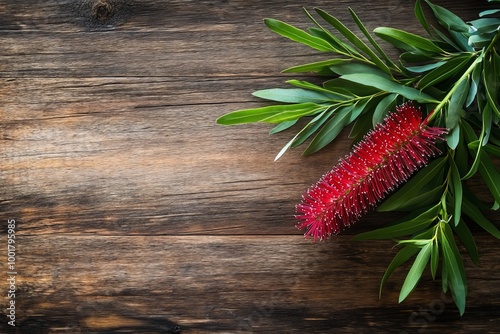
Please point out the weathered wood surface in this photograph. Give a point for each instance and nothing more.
(136, 213)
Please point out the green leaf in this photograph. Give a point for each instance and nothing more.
(401, 257)
(330, 130)
(485, 25)
(410, 225)
(492, 149)
(355, 40)
(419, 13)
(413, 187)
(285, 148)
(434, 257)
(490, 175)
(297, 35)
(415, 272)
(389, 86)
(361, 127)
(373, 43)
(475, 214)
(488, 12)
(456, 105)
(462, 155)
(453, 137)
(340, 46)
(425, 68)
(456, 186)
(357, 67)
(491, 82)
(424, 198)
(316, 66)
(406, 40)
(466, 238)
(270, 114)
(316, 88)
(455, 267)
(312, 127)
(383, 108)
(462, 41)
(283, 126)
(354, 89)
(475, 80)
(470, 136)
(292, 95)
(444, 71)
(448, 19)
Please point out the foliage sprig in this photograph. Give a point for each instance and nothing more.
(454, 75)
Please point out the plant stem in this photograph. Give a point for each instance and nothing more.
(464, 76)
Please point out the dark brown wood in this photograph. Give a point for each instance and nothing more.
(135, 212)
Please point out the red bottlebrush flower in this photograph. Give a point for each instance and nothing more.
(386, 157)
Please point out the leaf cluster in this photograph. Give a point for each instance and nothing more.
(454, 74)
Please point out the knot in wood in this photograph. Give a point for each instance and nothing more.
(102, 10)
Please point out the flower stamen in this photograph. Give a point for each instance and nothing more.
(386, 157)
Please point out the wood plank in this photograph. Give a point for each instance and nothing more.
(137, 213)
(222, 284)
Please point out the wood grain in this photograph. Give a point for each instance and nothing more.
(136, 213)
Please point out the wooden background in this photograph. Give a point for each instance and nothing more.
(136, 213)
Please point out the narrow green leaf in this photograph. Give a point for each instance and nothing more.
(316, 88)
(453, 137)
(448, 19)
(462, 41)
(488, 12)
(425, 68)
(467, 239)
(357, 67)
(415, 242)
(330, 130)
(401, 257)
(444, 71)
(389, 86)
(413, 187)
(383, 108)
(353, 89)
(361, 127)
(415, 272)
(492, 149)
(297, 35)
(470, 136)
(271, 114)
(444, 278)
(423, 199)
(490, 175)
(474, 83)
(475, 214)
(377, 47)
(462, 154)
(456, 105)
(283, 126)
(340, 46)
(285, 148)
(406, 40)
(456, 185)
(316, 66)
(492, 83)
(292, 95)
(434, 257)
(419, 13)
(485, 25)
(455, 267)
(312, 127)
(410, 225)
(355, 40)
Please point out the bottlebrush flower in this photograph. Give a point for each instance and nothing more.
(386, 157)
